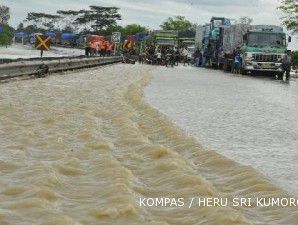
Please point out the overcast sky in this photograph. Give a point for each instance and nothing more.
(151, 13)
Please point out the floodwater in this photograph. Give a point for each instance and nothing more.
(253, 120)
(82, 148)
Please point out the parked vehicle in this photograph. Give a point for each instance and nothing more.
(264, 48)
(186, 38)
(165, 38)
(261, 46)
(93, 44)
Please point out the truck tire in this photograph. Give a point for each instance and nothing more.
(244, 72)
(280, 76)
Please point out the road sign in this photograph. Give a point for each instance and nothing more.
(43, 42)
(116, 37)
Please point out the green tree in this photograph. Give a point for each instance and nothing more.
(6, 35)
(67, 22)
(133, 29)
(4, 12)
(179, 23)
(42, 21)
(290, 9)
(98, 18)
(20, 27)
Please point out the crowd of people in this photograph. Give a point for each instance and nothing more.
(162, 55)
(103, 48)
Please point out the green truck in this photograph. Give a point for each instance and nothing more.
(262, 47)
(165, 38)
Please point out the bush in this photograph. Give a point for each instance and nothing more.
(7, 35)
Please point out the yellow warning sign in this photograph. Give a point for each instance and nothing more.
(43, 42)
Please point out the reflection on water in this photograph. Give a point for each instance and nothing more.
(82, 148)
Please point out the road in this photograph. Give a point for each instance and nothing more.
(253, 120)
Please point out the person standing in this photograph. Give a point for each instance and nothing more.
(196, 56)
(185, 56)
(237, 64)
(177, 56)
(207, 56)
(158, 57)
(287, 63)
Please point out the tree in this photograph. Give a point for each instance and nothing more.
(7, 32)
(67, 21)
(113, 28)
(42, 21)
(4, 12)
(6, 35)
(98, 17)
(133, 29)
(290, 20)
(178, 23)
(245, 20)
(20, 27)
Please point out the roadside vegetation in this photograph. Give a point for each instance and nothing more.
(179, 23)
(95, 20)
(7, 33)
(290, 18)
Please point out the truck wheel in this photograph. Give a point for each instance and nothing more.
(280, 76)
(243, 72)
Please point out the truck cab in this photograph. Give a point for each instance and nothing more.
(264, 48)
(215, 40)
(216, 24)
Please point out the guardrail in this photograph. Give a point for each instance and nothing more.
(42, 66)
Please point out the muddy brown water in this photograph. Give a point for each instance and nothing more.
(82, 148)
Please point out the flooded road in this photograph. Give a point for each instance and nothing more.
(253, 120)
(84, 147)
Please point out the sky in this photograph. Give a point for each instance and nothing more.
(151, 13)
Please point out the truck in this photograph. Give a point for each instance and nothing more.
(209, 39)
(187, 39)
(262, 47)
(165, 38)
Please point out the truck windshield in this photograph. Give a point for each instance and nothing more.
(217, 23)
(265, 39)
